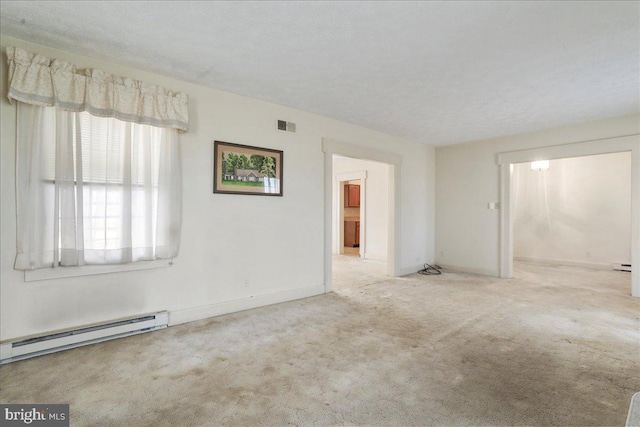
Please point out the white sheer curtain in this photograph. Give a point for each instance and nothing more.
(94, 190)
(98, 168)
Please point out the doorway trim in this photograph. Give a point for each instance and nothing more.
(506, 160)
(331, 147)
(338, 232)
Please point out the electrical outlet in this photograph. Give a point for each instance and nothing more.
(441, 254)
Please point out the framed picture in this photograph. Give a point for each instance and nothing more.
(241, 169)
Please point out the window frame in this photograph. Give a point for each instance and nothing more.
(50, 273)
(58, 271)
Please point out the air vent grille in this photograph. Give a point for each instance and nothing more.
(286, 126)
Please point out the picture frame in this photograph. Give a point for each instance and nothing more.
(244, 169)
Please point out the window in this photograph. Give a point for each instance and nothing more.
(99, 186)
(98, 171)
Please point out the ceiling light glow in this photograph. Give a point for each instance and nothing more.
(540, 165)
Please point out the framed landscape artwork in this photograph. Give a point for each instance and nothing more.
(241, 169)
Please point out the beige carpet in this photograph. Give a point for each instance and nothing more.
(555, 346)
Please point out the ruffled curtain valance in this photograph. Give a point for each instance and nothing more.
(36, 79)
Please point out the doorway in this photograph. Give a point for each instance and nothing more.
(574, 214)
(351, 240)
(370, 245)
(360, 220)
(507, 160)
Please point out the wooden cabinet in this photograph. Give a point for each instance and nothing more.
(351, 219)
(352, 234)
(351, 196)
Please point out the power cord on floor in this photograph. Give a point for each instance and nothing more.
(431, 270)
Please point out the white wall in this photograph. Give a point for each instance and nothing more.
(579, 210)
(215, 272)
(376, 203)
(468, 177)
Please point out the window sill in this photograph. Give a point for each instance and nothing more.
(88, 270)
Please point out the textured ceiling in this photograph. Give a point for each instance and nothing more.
(433, 72)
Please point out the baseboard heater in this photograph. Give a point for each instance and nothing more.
(91, 334)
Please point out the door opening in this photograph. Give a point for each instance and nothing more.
(370, 244)
(352, 199)
(360, 221)
(507, 160)
(573, 212)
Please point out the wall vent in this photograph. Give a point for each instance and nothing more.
(286, 126)
(91, 334)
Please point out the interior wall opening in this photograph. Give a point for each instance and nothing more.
(507, 161)
(360, 220)
(574, 212)
(351, 203)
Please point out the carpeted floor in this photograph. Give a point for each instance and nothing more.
(554, 346)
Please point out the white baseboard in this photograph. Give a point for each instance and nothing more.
(410, 270)
(565, 263)
(375, 257)
(177, 317)
(470, 270)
